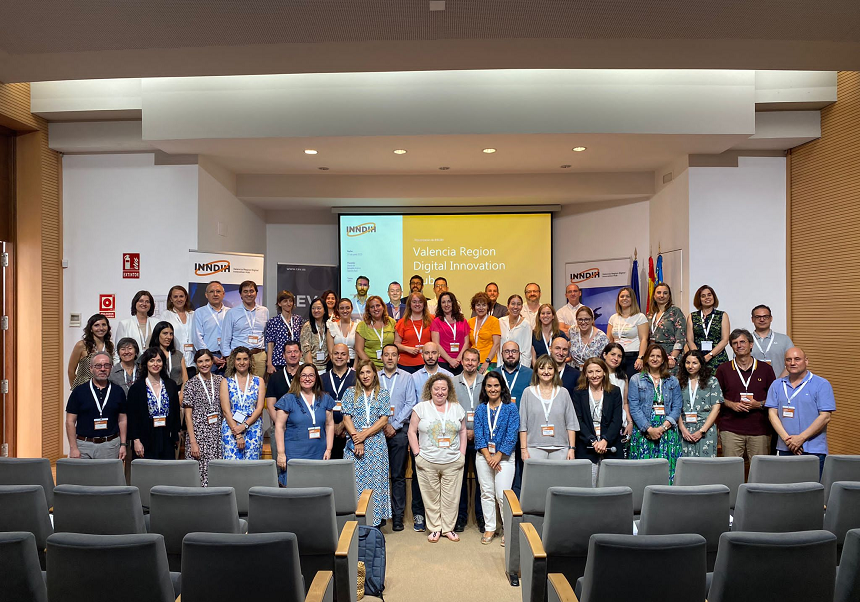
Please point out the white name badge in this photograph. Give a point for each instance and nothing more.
(660, 410)
(691, 417)
(188, 347)
(239, 416)
(420, 348)
(100, 424)
(787, 412)
(320, 356)
(212, 418)
(254, 339)
(351, 353)
(392, 410)
(443, 441)
(747, 397)
(219, 341)
(159, 421)
(547, 430)
(455, 347)
(338, 407)
(470, 416)
(706, 346)
(597, 430)
(491, 447)
(768, 362)
(313, 432)
(514, 400)
(379, 354)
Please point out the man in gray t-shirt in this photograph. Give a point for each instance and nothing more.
(769, 346)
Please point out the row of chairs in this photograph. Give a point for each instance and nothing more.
(134, 568)
(309, 513)
(788, 567)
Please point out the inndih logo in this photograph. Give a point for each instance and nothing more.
(585, 275)
(214, 267)
(361, 229)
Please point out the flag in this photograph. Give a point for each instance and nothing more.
(660, 268)
(634, 280)
(651, 284)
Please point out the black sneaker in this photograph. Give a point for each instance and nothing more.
(460, 526)
(381, 523)
(397, 523)
(418, 523)
(481, 525)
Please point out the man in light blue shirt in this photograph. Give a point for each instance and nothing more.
(401, 390)
(430, 353)
(800, 405)
(517, 377)
(206, 324)
(243, 327)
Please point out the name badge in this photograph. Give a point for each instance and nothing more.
(100, 424)
(159, 421)
(660, 410)
(491, 447)
(320, 356)
(239, 416)
(443, 441)
(768, 362)
(787, 412)
(705, 346)
(313, 432)
(392, 410)
(379, 354)
(514, 400)
(338, 407)
(597, 430)
(219, 341)
(212, 418)
(188, 347)
(254, 339)
(420, 348)
(691, 417)
(455, 347)
(747, 397)
(470, 416)
(351, 353)
(547, 430)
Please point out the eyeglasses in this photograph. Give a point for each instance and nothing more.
(761, 317)
(307, 377)
(101, 366)
(510, 352)
(583, 320)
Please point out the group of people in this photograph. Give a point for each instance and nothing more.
(383, 383)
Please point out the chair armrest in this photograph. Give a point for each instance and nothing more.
(363, 502)
(350, 532)
(559, 589)
(179, 598)
(513, 502)
(533, 540)
(321, 587)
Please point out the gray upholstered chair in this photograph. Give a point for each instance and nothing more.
(573, 515)
(617, 563)
(103, 568)
(310, 514)
(146, 474)
(702, 509)
(789, 567)
(19, 564)
(538, 477)
(784, 469)
(711, 471)
(636, 474)
(340, 476)
(29, 471)
(241, 475)
(177, 511)
(23, 508)
(210, 561)
(779, 508)
(848, 572)
(98, 510)
(839, 468)
(843, 510)
(95, 473)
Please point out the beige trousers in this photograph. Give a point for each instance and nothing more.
(440, 489)
(258, 364)
(744, 446)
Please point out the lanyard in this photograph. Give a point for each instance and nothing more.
(209, 396)
(289, 325)
(478, 328)
(658, 388)
(796, 391)
(287, 378)
(366, 408)
(443, 418)
(320, 340)
(453, 328)
(546, 342)
(133, 375)
(596, 406)
(471, 391)
(694, 391)
(101, 407)
(492, 425)
(745, 383)
(706, 329)
(152, 390)
(769, 345)
(395, 313)
(215, 315)
(310, 407)
(516, 376)
(247, 387)
(390, 384)
(251, 323)
(657, 320)
(418, 333)
(582, 343)
(337, 390)
(143, 334)
(547, 407)
(379, 334)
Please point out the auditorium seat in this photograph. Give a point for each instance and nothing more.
(839, 468)
(848, 572)
(779, 508)
(784, 469)
(340, 476)
(29, 471)
(241, 475)
(98, 510)
(843, 510)
(23, 508)
(23, 580)
(711, 471)
(636, 474)
(146, 474)
(96, 473)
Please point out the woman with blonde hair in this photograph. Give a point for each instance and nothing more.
(628, 327)
(548, 422)
(546, 330)
(375, 331)
(242, 396)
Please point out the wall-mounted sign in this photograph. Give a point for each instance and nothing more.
(131, 265)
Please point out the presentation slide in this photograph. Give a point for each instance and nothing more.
(468, 250)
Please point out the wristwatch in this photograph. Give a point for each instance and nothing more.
(666, 428)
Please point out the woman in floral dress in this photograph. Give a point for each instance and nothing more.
(242, 396)
(202, 403)
(708, 329)
(702, 397)
(586, 339)
(667, 324)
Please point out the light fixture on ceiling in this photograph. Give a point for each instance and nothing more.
(400, 151)
(310, 151)
(489, 151)
(565, 166)
(578, 149)
(323, 168)
(444, 168)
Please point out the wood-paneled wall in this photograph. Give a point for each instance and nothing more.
(824, 257)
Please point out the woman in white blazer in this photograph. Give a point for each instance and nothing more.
(179, 313)
(139, 326)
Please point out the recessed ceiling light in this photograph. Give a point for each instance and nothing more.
(578, 149)
(323, 168)
(565, 166)
(310, 151)
(489, 151)
(400, 151)
(444, 168)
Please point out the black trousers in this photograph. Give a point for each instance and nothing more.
(417, 500)
(398, 446)
(463, 511)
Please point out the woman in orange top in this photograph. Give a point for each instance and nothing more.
(485, 332)
(412, 331)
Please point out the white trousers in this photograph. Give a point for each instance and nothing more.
(493, 485)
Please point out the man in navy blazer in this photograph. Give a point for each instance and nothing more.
(396, 306)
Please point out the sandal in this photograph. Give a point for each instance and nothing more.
(452, 536)
(503, 541)
(433, 537)
(488, 538)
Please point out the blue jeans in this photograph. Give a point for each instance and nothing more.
(821, 458)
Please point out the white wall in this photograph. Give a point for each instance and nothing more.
(737, 236)
(669, 224)
(604, 231)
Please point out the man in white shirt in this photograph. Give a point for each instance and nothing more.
(206, 324)
(359, 299)
(440, 285)
(243, 327)
(430, 354)
(769, 346)
(530, 309)
(567, 314)
(467, 385)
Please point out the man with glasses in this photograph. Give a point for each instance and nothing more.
(769, 346)
(567, 314)
(517, 377)
(530, 309)
(440, 285)
(96, 415)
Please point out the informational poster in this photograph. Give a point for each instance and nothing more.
(230, 269)
(600, 281)
(306, 282)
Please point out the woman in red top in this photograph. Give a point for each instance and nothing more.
(412, 331)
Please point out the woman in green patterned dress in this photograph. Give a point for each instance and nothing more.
(654, 397)
(708, 329)
(702, 397)
(667, 324)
